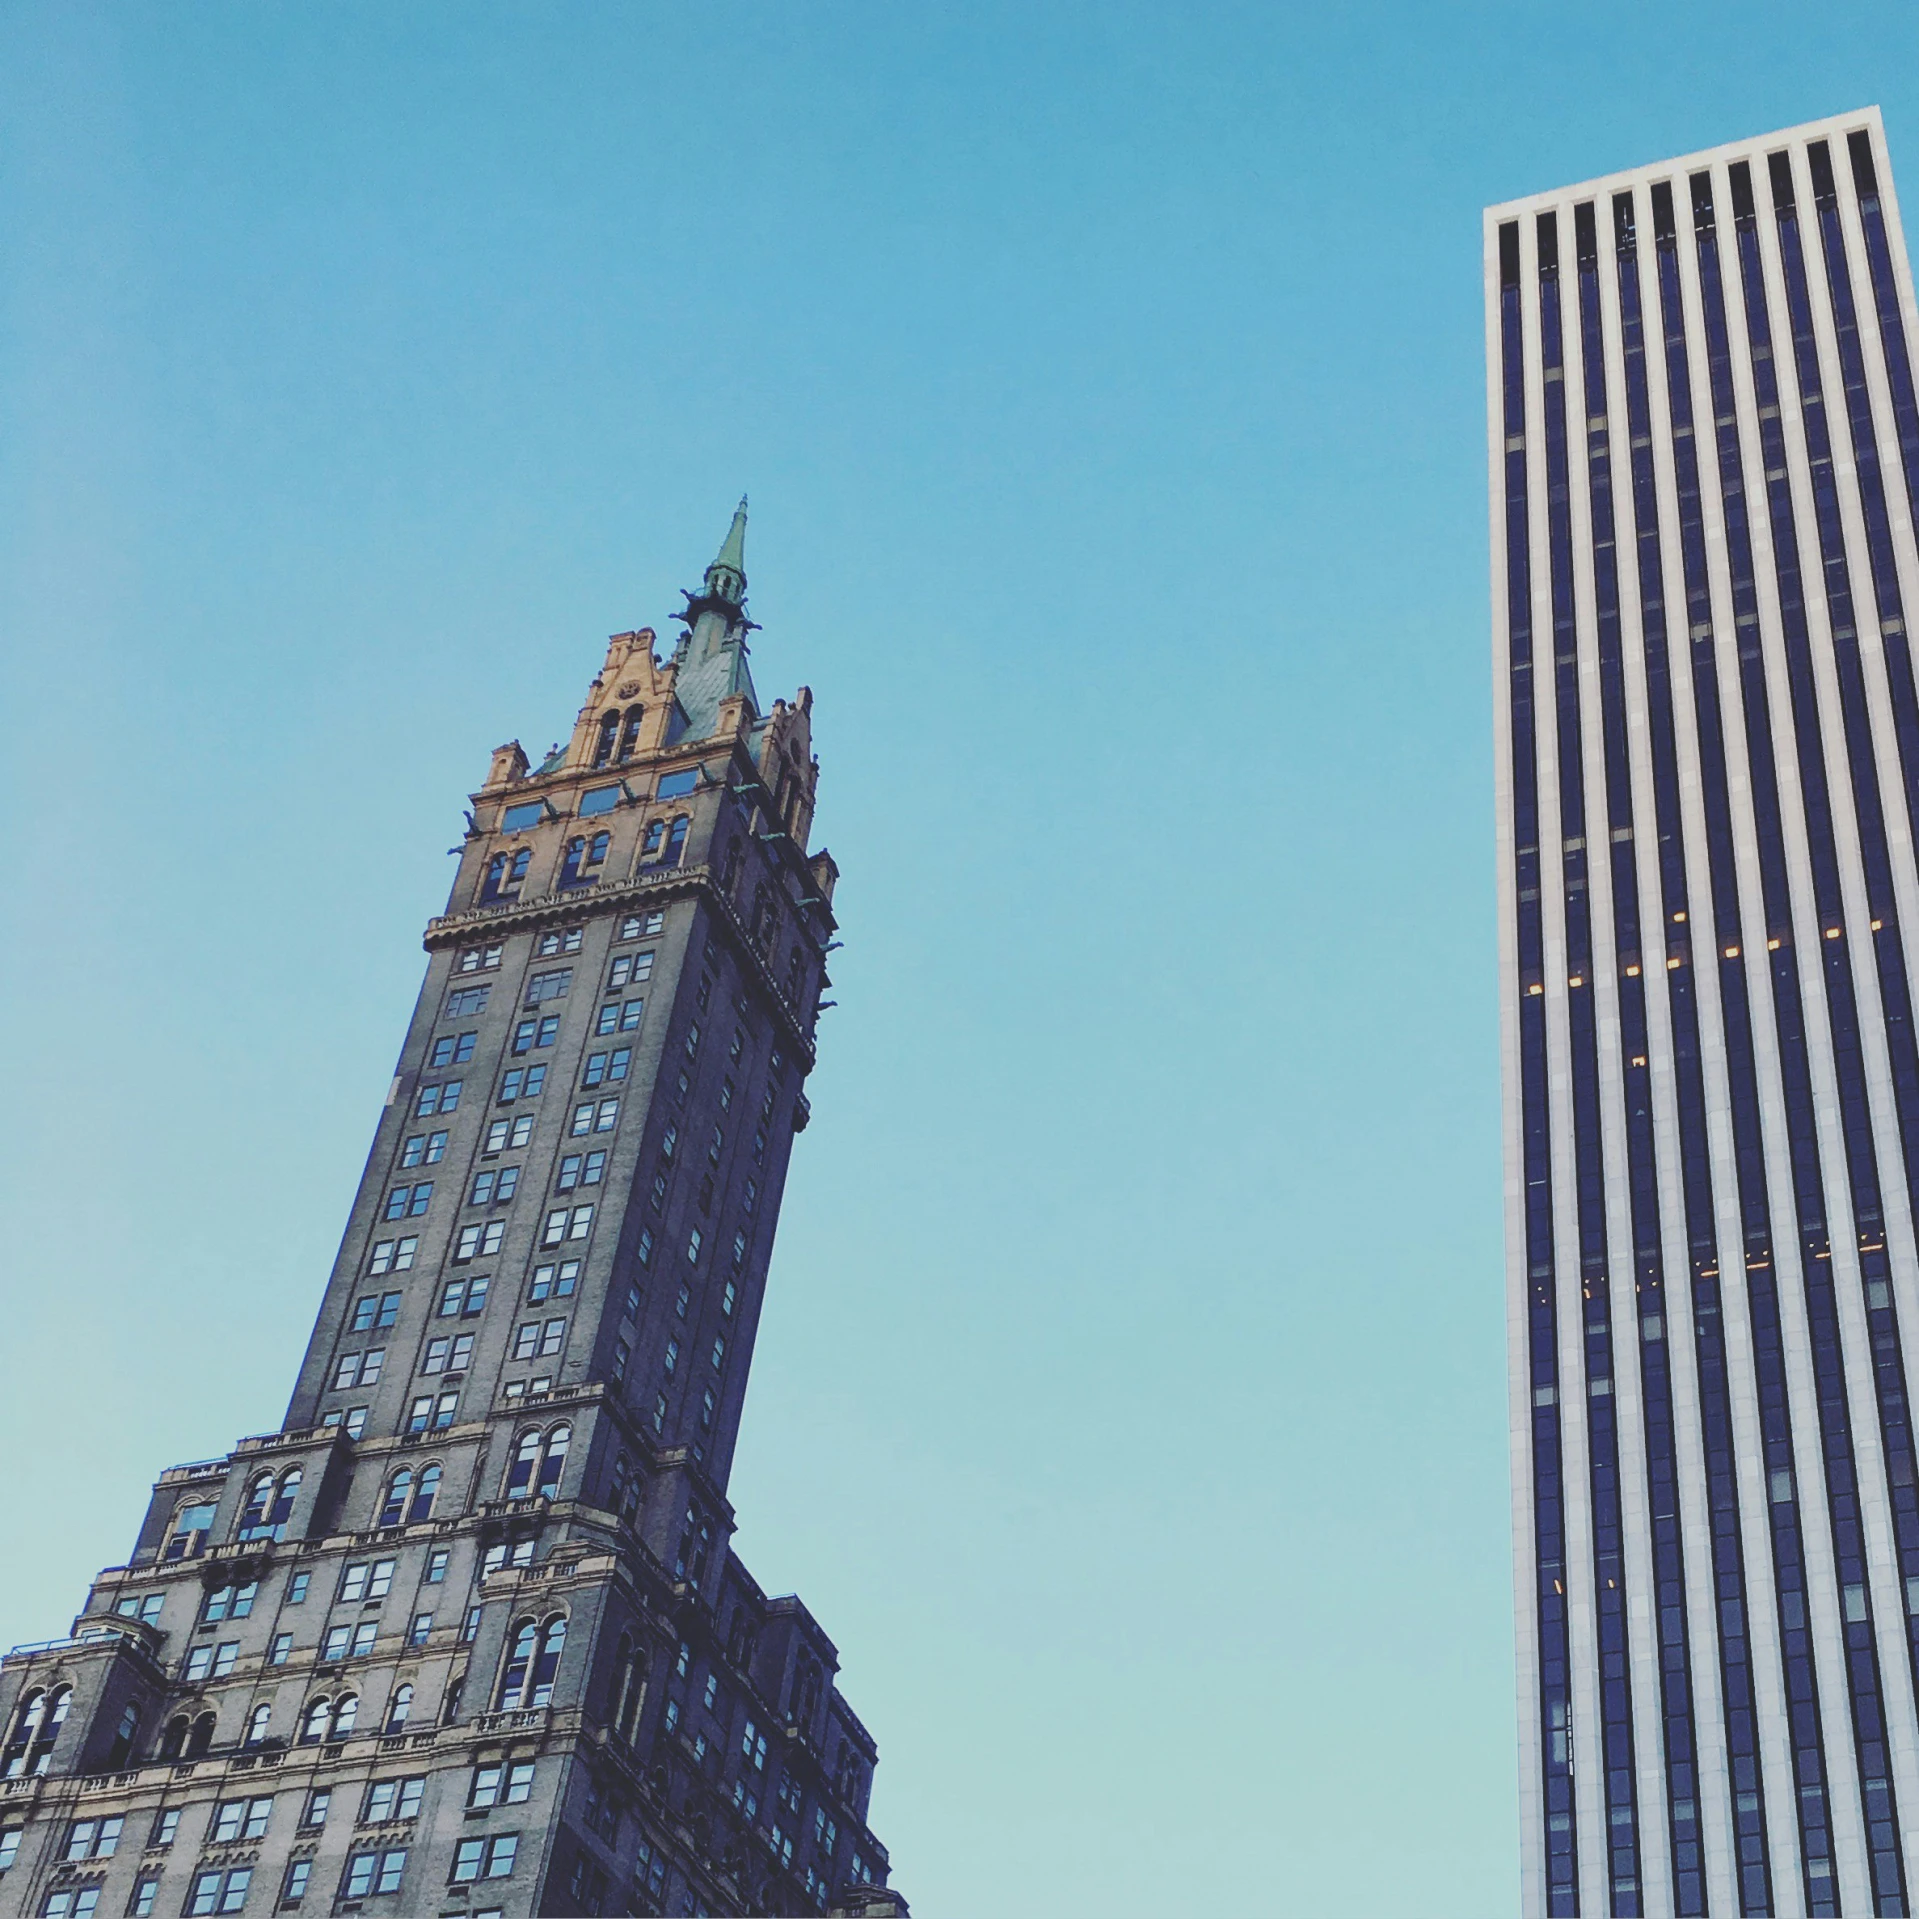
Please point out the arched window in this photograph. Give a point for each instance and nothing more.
(630, 737)
(650, 846)
(399, 1491)
(570, 866)
(125, 1737)
(283, 1502)
(553, 1460)
(519, 1662)
(609, 732)
(174, 1740)
(398, 1707)
(450, 1705)
(519, 1475)
(28, 1724)
(627, 1689)
(546, 1665)
(259, 1501)
(313, 1722)
(516, 872)
(191, 1524)
(346, 1709)
(200, 1739)
(423, 1499)
(675, 841)
(596, 849)
(257, 1723)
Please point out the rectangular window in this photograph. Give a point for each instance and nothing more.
(281, 1648)
(504, 1133)
(554, 1282)
(464, 1298)
(295, 1888)
(467, 1000)
(334, 1646)
(371, 1874)
(607, 1068)
(375, 1312)
(516, 819)
(480, 959)
(448, 1354)
(316, 1808)
(599, 799)
(630, 969)
(146, 1890)
(355, 1424)
(423, 1149)
(566, 941)
(436, 1565)
(495, 1186)
(220, 1891)
(393, 1256)
(545, 986)
(441, 1097)
(393, 1799)
(642, 925)
(223, 1657)
(452, 1049)
(93, 1838)
(421, 1630)
(478, 1240)
(676, 786)
(620, 1016)
(470, 1626)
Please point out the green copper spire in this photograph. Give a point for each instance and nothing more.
(726, 577)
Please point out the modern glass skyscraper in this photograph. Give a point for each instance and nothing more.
(1704, 449)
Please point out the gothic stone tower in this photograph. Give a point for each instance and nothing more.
(465, 1636)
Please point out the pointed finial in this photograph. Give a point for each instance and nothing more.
(726, 577)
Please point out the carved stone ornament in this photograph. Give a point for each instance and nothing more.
(627, 691)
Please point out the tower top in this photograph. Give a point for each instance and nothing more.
(726, 577)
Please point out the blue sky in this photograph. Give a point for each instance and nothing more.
(1129, 1402)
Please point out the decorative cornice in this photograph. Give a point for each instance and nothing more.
(597, 902)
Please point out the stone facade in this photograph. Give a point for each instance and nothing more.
(466, 1636)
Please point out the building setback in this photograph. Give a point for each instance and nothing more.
(466, 1635)
(1704, 450)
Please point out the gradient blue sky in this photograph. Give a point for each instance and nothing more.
(1107, 379)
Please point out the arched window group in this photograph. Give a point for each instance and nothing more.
(326, 1719)
(665, 841)
(619, 735)
(188, 1738)
(36, 1726)
(269, 1505)
(505, 872)
(538, 1461)
(532, 1662)
(585, 857)
(408, 1501)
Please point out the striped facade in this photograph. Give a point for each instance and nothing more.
(1704, 460)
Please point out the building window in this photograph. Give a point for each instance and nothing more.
(467, 1001)
(295, 1887)
(544, 1452)
(580, 1170)
(448, 1355)
(219, 1891)
(297, 1588)
(236, 1602)
(92, 1839)
(370, 1875)
(359, 1369)
(536, 1341)
(464, 1298)
(484, 1858)
(480, 1240)
(142, 1606)
(441, 1096)
(281, 1648)
(501, 1785)
(374, 1312)
(146, 1891)
(452, 1049)
(239, 1819)
(436, 1565)
(619, 1016)
(393, 1799)
(595, 1117)
(629, 969)
(522, 1082)
(423, 1149)
(409, 1202)
(642, 925)
(495, 1186)
(555, 1281)
(693, 1247)
(317, 1803)
(672, 1357)
(505, 1133)
(191, 1524)
(532, 1033)
(550, 985)
(566, 940)
(392, 1256)
(479, 959)
(605, 1069)
(563, 1225)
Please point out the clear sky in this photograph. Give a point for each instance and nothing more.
(1107, 381)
